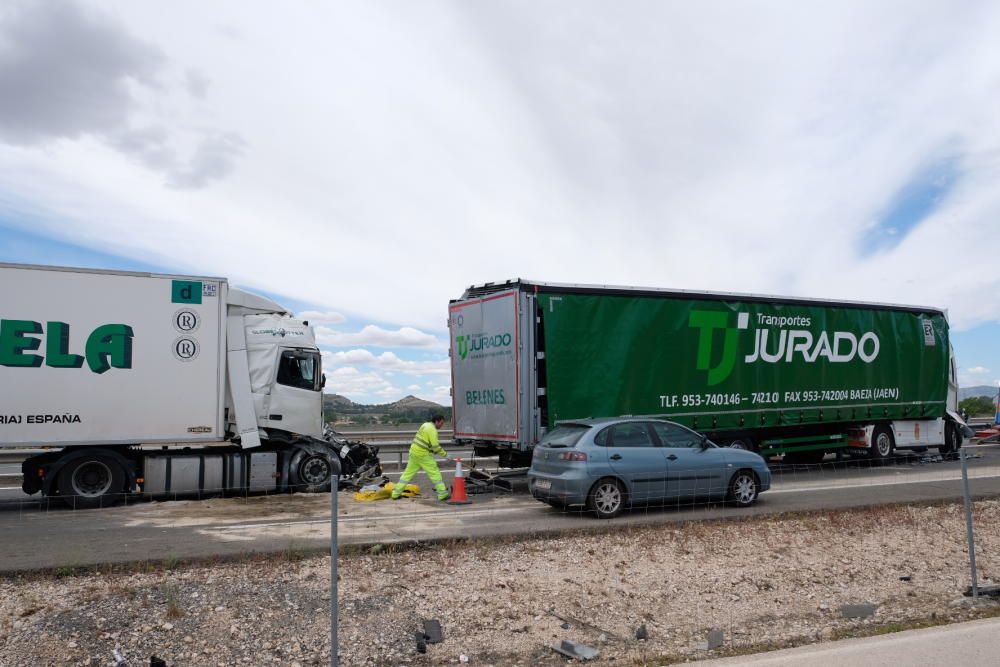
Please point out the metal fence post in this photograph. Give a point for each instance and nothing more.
(968, 521)
(334, 605)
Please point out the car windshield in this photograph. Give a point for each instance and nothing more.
(564, 435)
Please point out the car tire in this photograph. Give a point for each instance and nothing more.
(606, 498)
(743, 488)
(952, 439)
(883, 443)
(91, 481)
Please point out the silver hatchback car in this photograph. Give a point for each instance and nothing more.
(607, 464)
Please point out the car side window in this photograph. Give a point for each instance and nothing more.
(631, 434)
(671, 435)
(601, 439)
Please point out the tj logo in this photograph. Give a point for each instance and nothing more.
(463, 346)
(707, 322)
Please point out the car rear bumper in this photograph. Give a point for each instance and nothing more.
(561, 490)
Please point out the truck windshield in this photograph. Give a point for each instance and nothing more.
(300, 368)
(564, 435)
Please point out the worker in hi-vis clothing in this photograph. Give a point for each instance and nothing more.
(424, 447)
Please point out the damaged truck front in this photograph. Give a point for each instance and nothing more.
(137, 383)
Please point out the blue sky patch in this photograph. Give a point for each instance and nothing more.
(914, 202)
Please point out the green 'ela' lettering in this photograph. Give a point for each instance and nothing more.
(108, 346)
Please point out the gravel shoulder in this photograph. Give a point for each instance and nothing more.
(765, 582)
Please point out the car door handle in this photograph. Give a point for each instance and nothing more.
(672, 457)
(616, 457)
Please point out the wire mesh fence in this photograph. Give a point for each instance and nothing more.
(686, 569)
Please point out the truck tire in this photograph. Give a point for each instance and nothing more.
(743, 488)
(741, 442)
(91, 481)
(952, 439)
(883, 443)
(310, 471)
(606, 498)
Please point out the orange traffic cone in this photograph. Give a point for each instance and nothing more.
(458, 495)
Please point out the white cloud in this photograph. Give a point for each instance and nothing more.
(977, 370)
(317, 317)
(770, 141)
(413, 387)
(376, 336)
(387, 361)
(356, 385)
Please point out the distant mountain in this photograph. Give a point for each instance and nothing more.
(412, 403)
(337, 401)
(979, 390)
(409, 409)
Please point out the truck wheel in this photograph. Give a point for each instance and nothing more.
(952, 439)
(743, 489)
(312, 473)
(882, 443)
(606, 498)
(741, 443)
(91, 481)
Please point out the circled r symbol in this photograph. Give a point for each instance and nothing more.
(185, 348)
(186, 320)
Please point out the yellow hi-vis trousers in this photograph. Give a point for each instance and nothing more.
(421, 459)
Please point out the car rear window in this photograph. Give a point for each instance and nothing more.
(564, 435)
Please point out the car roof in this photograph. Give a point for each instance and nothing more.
(598, 421)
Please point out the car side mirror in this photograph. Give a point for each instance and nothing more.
(704, 442)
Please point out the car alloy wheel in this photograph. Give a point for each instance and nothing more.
(607, 498)
(743, 490)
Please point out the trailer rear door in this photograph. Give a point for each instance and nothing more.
(486, 367)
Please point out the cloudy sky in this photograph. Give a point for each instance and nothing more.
(366, 161)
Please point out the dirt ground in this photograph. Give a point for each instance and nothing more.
(764, 582)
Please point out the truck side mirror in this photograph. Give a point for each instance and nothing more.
(322, 382)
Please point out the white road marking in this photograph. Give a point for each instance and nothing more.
(863, 484)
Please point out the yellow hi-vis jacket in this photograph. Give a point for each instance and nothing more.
(427, 440)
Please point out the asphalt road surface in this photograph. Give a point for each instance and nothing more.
(38, 535)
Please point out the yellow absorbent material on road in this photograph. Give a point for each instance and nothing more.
(385, 492)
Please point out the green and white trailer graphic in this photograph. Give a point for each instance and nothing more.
(770, 373)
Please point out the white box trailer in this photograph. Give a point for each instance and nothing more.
(136, 379)
(102, 358)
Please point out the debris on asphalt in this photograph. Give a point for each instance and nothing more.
(432, 631)
(863, 610)
(989, 590)
(421, 642)
(576, 651)
(157, 662)
(716, 638)
(642, 634)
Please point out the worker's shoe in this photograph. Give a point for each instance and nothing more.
(444, 497)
